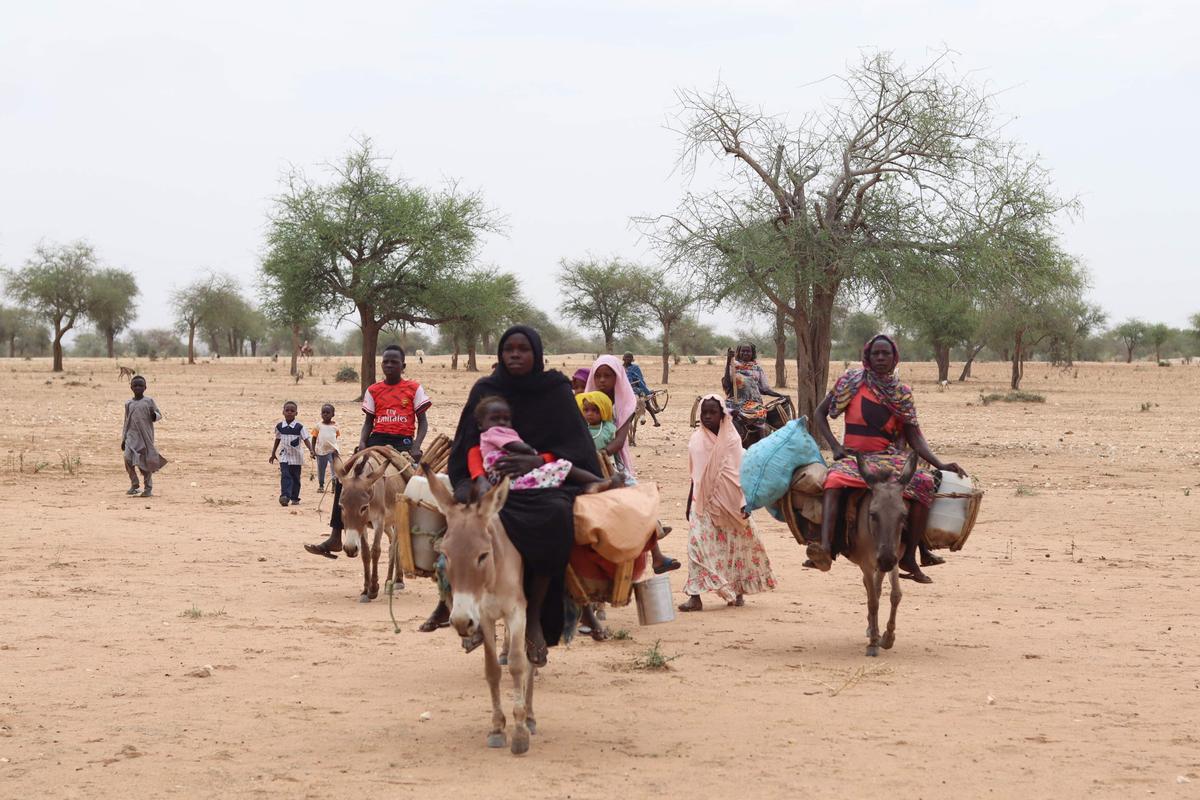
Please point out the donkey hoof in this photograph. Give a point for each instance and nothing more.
(374, 592)
(532, 725)
(888, 640)
(520, 742)
(364, 598)
(497, 740)
(872, 650)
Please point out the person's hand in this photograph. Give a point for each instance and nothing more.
(729, 353)
(415, 454)
(122, 445)
(272, 459)
(515, 466)
(839, 453)
(745, 513)
(953, 467)
(611, 448)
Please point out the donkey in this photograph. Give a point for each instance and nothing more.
(875, 545)
(367, 500)
(485, 574)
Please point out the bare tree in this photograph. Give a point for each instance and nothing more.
(908, 160)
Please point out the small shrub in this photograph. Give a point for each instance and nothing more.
(1146, 406)
(192, 613)
(654, 658)
(622, 634)
(346, 374)
(1026, 491)
(1164, 363)
(1012, 397)
(69, 463)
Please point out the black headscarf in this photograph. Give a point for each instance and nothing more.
(544, 411)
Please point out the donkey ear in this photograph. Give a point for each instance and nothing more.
(340, 470)
(494, 500)
(910, 469)
(441, 494)
(865, 471)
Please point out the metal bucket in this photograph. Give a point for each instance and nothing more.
(424, 556)
(653, 599)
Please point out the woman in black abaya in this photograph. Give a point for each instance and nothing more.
(540, 522)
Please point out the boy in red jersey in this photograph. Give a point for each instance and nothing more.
(394, 414)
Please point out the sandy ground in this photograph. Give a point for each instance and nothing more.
(1054, 657)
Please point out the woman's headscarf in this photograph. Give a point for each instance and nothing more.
(581, 374)
(715, 461)
(544, 412)
(599, 400)
(894, 395)
(624, 401)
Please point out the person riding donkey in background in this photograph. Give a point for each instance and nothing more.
(394, 415)
(137, 439)
(638, 381)
(290, 435)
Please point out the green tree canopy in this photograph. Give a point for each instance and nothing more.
(56, 285)
(603, 295)
(111, 304)
(1131, 332)
(371, 244)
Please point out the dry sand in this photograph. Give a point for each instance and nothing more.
(1055, 657)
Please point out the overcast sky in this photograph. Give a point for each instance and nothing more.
(159, 132)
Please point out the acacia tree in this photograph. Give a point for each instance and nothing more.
(371, 244)
(1131, 332)
(111, 307)
(907, 161)
(288, 302)
(197, 304)
(668, 303)
(21, 331)
(480, 303)
(603, 296)
(1158, 334)
(56, 284)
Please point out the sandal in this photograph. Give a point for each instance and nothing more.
(538, 655)
(668, 565)
(932, 560)
(325, 548)
(433, 623)
(916, 577)
(472, 642)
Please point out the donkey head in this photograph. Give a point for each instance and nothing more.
(357, 490)
(886, 509)
(469, 548)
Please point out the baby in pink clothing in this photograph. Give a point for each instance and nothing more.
(497, 439)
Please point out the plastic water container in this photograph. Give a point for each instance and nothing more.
(653, 599)
(425, 524)
(948, 516)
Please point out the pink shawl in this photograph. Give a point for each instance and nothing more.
(715, 461)
(624, 403)
(494, 439)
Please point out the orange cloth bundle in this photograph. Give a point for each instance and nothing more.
(618, 523)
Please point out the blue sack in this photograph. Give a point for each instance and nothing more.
(768, 465)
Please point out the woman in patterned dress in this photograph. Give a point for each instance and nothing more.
(881, 424)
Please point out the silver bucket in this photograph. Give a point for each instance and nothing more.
(424, 555)
(654, 602)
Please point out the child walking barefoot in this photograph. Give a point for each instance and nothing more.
(287, 450)
(137, 438)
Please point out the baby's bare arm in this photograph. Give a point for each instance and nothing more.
(520, 447)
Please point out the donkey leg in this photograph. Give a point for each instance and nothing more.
(365, 597)
(373, 589)
(520, 668)
(873, 583)
(889, 636)
(491, 668)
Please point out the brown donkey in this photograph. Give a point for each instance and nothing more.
(368, 501)
(485, 574)
(875, 545)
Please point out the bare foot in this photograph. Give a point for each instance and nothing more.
(693, 604)
(739, 601)
(440, 618)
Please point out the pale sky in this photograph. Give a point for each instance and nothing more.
(159, 132)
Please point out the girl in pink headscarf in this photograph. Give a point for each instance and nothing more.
(724, 552)
(608, 376)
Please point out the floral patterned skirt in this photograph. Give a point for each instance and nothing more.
(843, 474)
(548, 476)
(726, 560)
